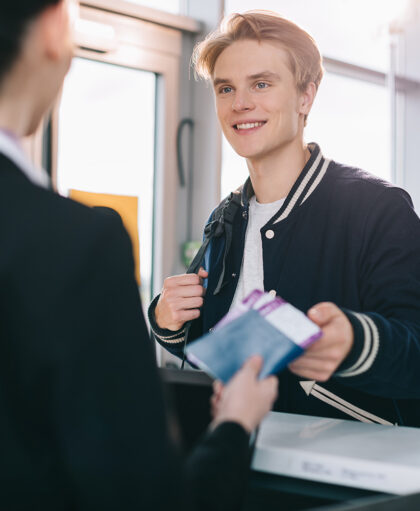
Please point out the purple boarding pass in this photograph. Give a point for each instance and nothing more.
(292, 322)
(239, 309)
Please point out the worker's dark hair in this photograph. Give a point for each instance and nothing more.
(15, 16)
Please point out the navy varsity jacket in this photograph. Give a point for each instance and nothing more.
(344, 236)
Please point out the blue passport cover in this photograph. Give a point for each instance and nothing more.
(223, 352)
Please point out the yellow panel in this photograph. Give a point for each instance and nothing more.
(126, 207)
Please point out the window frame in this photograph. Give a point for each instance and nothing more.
(144, 45)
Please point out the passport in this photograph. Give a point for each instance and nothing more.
(260, 325)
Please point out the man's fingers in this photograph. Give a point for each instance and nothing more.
(188, 279)
(318, 371)
(314, 365)
(321, 376)
(322, 348)
(330, 353)
(184, 292)
(203, 273)
(186, 315)
(181, 307)
(323, 313)
(327, 354)
(190, 303)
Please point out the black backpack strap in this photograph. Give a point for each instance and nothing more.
(213, 229)
(227, 218)
(222, 223)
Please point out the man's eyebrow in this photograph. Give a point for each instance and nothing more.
(263, 75)
(218, 81)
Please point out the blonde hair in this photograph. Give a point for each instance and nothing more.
(304, 57)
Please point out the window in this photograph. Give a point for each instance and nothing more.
(113, 130)
(106, 141)
(355, 31)
(350, 120)
(353, 118)
(173, 6)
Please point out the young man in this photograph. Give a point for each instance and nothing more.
(332, 240)
(82, 418)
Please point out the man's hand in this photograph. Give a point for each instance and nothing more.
(180, 300)
(321, 359)
(245, 399)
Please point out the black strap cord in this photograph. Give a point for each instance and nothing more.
(226, 219)
(222, 223)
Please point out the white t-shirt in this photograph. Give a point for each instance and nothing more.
(252, 270)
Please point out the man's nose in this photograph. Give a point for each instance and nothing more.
(242, 101)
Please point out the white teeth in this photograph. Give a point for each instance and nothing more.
(249, 125)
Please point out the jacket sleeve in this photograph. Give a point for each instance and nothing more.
(107, 411)
(217, 470)
(385, 358)
(173, 341)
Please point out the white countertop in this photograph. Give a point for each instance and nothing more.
(349, 453)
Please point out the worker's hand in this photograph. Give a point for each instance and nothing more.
(322, 358)
(245, 399)
(216, 397)
(180, 300)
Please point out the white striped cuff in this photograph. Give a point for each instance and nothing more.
(370, 348)
(171, 339)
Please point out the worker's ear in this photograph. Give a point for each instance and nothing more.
(56, 30)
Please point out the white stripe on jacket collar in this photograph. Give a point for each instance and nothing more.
(298, 193)
(10, 148)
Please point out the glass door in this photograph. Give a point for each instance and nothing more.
(113, 132)
(106, 148)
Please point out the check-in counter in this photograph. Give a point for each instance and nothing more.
(303, 462)
(334, 459)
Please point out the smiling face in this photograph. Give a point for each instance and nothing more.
(258, 105)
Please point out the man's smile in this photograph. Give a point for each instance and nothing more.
(248, 126)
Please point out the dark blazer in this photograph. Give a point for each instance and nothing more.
(82, 418)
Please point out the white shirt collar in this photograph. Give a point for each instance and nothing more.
(10, 147)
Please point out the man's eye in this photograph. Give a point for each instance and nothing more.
(225, 90)
(262, 85)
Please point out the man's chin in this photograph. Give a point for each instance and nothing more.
(247, 153)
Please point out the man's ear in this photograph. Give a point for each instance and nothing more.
(53, 24)
(307, 98)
